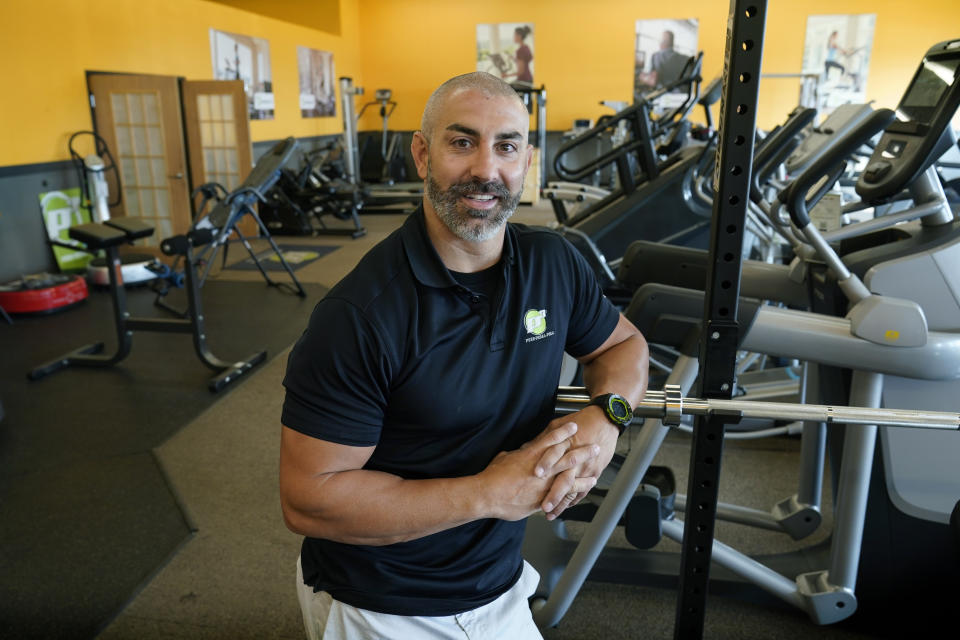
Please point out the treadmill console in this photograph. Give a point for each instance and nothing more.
(921, 133)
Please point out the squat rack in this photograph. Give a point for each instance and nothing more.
(718, 348)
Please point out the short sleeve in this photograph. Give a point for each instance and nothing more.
(593, 317)
(337, 377)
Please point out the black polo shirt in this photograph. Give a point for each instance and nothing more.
(441, 379)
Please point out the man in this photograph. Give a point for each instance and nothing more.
(417, 423)
(666, 65)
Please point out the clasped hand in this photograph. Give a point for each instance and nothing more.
(556, 469)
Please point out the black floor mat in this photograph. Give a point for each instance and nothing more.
(85, 512)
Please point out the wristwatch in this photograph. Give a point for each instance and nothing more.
(616, 408)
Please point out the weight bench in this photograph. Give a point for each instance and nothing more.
(108, 236)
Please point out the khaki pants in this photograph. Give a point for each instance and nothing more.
(506, 617)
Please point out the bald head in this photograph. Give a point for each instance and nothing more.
(485, 83)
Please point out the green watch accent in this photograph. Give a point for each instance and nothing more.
(616, 408)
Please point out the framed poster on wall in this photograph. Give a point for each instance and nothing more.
(662, 49)
(240, 57)
(506, 50)
(317, 82)
(837, 49)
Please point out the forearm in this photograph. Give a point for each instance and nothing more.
(376, 508)
(621, 369)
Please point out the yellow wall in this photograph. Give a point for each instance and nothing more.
(316, 14)
(584, 48)
(49, 44)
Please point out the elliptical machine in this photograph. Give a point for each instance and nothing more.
(388, 167)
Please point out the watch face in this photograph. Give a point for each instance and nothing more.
(619, 409)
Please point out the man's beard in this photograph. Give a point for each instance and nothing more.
(472, 225)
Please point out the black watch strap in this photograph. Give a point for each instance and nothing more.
(616, 408)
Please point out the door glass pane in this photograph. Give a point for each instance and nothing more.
(155, 141)
(131, 202)
(147, 203)
(151, 109)
(216, 110)
(159, 172)
(230, 134)
(143, 171)
(135, 104)
(221, 160)
(127, 171)
(139, 141)
(227, 105)
(209, 164)
(231, 157)
(118, 102)
(203, 107)
(123, 141)
(163, 205)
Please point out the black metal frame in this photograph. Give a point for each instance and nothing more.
(718, 349)
(108, 237)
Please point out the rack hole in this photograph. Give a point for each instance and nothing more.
(728, 257)
(746, 45)
(725, 284)
(741, 109)
(709, 459)
(723, 311)
(744, 77)
(736, 170)
(731, 228)
(706, 484)
(733, 200)
(750, 12)
(739, 140)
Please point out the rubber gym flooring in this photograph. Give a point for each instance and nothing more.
(136, 504)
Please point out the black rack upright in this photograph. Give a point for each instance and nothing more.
(718, 349)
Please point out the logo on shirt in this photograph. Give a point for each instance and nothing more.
(535, 322)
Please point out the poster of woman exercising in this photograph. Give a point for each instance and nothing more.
(506, 51)
(837, 51)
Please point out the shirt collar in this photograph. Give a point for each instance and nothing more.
(426, 264)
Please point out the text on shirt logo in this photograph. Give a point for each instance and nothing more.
(535, 322)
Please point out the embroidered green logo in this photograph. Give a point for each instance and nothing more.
(535, 321)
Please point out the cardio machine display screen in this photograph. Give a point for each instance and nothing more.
(928, 88)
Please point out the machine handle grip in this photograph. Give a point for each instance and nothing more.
(774, 145)
(795, 197)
